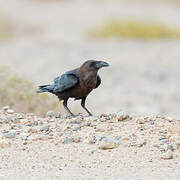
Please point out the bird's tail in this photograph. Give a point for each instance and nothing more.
(45, 88)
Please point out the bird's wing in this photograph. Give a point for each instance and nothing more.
(65, 81)
(98, 82)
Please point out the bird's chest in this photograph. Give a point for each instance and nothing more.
(88, 83)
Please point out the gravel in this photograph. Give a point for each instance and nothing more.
(89, 142)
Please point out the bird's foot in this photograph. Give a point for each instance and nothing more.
(74, 116)
(90, 114)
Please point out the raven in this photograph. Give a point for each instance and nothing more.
(77, 83)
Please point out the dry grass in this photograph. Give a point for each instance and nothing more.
(129, 29)
(20, 94)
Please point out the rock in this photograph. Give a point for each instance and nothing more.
(10, 134)
(76, 139)
(53, 114)
(100, 129)
(140, 120)
(75, 120)
(167, 155)
(24, 121)
(117, 138)
(76, 127)
(10, 111)
(19, 116)
(125, 138)
(45, 127)
(24, 136)
(108, 143)
(141, 142)
(3, 143)
(67, 140)
(35, 123)
(37, 137)
(93, 140)
(170, 119)
(91, 118)
(121, 116)
(5, 108)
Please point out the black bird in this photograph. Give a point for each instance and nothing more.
(77, 83)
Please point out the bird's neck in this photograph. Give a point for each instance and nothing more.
(88, 79)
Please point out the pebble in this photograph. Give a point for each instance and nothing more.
(108, 143)
(5, 108)
(10, 134)
(99, 129)
(167, 155)
(76, 139)
(10, 111)
(24, 136)
(141, 142)
(67, 140)
(3, 143)
(92, 140)
(45, 127)
(103, 131)
(53, 114)
(121, 116)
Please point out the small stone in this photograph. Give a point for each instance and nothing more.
(53, 114)
(3, 143)
(170, 119)
(76, 139)
(24, 121)
(93, 140)
(35, 123)
(92, 118)
(24, 136)
(25, 143)
(30, 130)
(45, 127)
(10, 111)
(108, 143)
(99, 129)
(19, 116)
(140, 120)
(167, 155)
(67, 140)
(125, 138)
(30, 114)
(121, 116)
(141, 142)
(117, 138)
(5, 108)
(76, 127)
(10, 134)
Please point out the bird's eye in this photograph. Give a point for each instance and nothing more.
(92, 64)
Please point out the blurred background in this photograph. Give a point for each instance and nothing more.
(41, 39)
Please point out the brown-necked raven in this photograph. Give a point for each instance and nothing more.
(77, 83)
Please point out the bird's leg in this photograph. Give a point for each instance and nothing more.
(67, 109)
(83, 105)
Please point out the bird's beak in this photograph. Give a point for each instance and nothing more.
(101, 64)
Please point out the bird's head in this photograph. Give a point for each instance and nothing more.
(93, 65)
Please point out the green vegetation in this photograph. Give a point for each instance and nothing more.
(5, 32)
(133, 29)
(20, 94)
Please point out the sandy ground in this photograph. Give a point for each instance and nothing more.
(143, 78)
(50, 39)
(117, 146)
